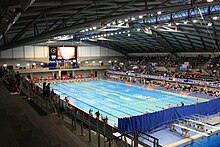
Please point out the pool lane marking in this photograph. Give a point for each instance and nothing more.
(104, 104)
(117, 99)
(161, 91)
(115, 93)
(104, 95)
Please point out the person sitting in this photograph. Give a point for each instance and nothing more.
(182, 104)
(169, 106)
(147, 110)
(197, 101)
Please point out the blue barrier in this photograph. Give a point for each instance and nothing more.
(147, 121)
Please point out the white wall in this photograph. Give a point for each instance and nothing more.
(25, 52)
(96, 51)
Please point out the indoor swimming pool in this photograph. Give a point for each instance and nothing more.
(117, 100)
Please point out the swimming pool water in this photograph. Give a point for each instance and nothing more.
(117, 100)
(211, 141)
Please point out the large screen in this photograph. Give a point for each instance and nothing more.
(66, 53)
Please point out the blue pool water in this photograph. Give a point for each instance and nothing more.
(212, 141)
(117, 100)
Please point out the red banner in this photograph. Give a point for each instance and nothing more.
(65, 77)
(50, 77)
(90, 75)
(78, 76)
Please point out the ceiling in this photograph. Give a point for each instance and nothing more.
(127, 26)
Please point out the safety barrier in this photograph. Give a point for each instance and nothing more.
(147, 121)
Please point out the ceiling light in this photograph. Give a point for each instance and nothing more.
(119, 21)
(109, 61)
(112, 34)
(128, 31)
(86, 62)
(83, 30)
(140, 16)
(195, 21)
(185, 22)
(108, 24)
(41, 64)
(123, 31)
(132, 18)
(100, 62)
(34, 64)
(90, 29)
(87, 29)
(115, 61)
(177, 23)
(209, 24)
(129, 34)
(4, 65)
(138, 29)
(93, 36)
(99, 36)
(18, 64)
(159, 12)
(108, 34)
(28, 64)
(215, 18)
(155, 27)
(169, 24)
(126, 20)
(116, 33)
(94, 28)
(119, 32)
(113, 22)
(105, 35)
(93, 61)
(209, 1)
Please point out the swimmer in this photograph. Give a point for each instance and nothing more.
(197, 101)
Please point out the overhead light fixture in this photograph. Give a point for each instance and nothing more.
(209, 1)
(93, 36)
(28, 64)
(138, 29)
(123, 31)
(209, 24)
(113, 22)
(41, 64)
(94, 28)
(126, 20)
(112, 34)
(18, 64)
(116, 33)
(195, 21)
(140, 16)
(78, 62)
(93, 61)
(109, 61)
(87, 30)
(129, 34)
(4, 65)
(119, 21)
(99, 36)
(169, 24)
(108, 34)
(159, 12)
(90, 29)
(155, 27)
(115, 61)
(119, 32)
(185, 22)
(177, 23)
(215, 18)
(132, 18)
(105, 35)
(108, 24)
(86, 62)
(128, 31)
(83, 30)
(34, 64)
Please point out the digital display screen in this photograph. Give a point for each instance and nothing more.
(65, 53)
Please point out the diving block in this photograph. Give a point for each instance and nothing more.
(191, 129)
(213, 127)
(128, 140)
